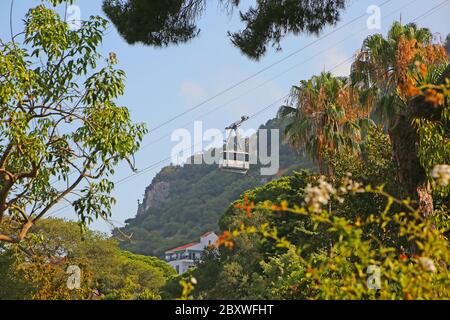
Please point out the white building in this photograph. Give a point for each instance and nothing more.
(184, 257)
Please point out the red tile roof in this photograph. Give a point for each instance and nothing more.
(183, 247)
(206, 234)
(190, 244)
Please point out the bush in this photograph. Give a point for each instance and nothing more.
(350, 267)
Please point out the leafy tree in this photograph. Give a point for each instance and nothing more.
(386, 72)
(372, 166)
(161, 23)
(59, 122)
(285, 276)
(107, 271)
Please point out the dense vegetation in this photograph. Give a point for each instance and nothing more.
(195, 201)
(39, 268)
(241, 269)
(372, 224)
(380, 136)
(271, 251)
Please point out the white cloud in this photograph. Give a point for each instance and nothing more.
(192, 92)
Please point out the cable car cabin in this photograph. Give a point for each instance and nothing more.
(235, 161)
(235, 157)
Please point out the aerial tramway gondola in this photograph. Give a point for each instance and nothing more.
(235, 156)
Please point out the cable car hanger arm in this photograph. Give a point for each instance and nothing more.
(238, 123)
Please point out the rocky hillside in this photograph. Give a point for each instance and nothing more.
(182, 202)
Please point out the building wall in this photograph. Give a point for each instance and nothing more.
(210, 239)
(181, 265)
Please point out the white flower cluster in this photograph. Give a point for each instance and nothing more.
(441, 174)
(350, 186)
(427, 264)
(320, 195)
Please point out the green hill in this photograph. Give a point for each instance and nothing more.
(183, 202)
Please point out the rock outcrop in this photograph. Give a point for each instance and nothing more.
(155, 195)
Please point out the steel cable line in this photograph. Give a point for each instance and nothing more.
(431, 11)
(146, 169)
(153, 165)
(275, 77)
(271, 79)
(261, 70)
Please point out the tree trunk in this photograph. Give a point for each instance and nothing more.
(410, 173)
(405, 143)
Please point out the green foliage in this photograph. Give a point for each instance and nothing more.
(343, 270)
(59, 122)
(236, 274)
(154, 262)
(434, 147)
(270, 21)
(11, 287)
(278, 251)
(392, 82)
(371, 168)
(434, 150)
(285, 276)
(374, 166)
(165, 22)
(38, 270)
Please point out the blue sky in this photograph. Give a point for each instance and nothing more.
(162, 83)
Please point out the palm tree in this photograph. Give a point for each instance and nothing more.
(325, 114)
(447, 44)
(381, 72)
(376, 71)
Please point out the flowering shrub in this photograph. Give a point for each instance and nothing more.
(441, 174)
(418, 270)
